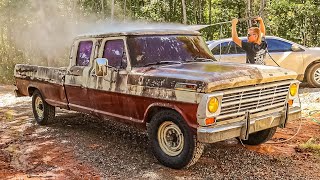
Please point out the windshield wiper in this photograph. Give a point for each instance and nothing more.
(162, 62)
(198, 59)
(206, 60)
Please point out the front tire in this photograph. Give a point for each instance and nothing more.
(260, 136)
(172, 142)
(313, 75)
(42, 111)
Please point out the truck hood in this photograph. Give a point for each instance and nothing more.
(212, 76)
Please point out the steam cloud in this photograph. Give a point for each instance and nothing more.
(54, 24)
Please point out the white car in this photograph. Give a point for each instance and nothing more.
(303, 60)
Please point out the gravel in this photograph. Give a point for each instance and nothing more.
(122, 152)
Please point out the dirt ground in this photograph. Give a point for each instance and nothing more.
(78, 146)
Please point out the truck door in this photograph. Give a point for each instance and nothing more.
(108, 93)
(76, 80)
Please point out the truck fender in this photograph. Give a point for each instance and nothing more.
(155, 107)
(32, 88)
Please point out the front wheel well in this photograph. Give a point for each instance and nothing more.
(155, 109)
(31, 90)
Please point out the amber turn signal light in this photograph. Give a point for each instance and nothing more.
(290, 102)
(210, 121)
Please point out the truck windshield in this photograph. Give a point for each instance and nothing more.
(146, 50)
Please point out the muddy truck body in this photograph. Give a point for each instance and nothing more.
(168, 83)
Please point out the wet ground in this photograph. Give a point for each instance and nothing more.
(78, 146)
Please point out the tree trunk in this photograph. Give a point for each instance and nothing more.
(74, 11)
(112, 10)
(102, 8)
(124, 10)
(9, 33)
(210, 20)
(262, 6)
(4, 49)
(200, 11)
(249, 7)
(170, 10)
(184, 11)
(175, 9)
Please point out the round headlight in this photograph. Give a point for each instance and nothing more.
(213, 105)
(293, 89)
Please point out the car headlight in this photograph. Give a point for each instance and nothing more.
(293, 89)
(213, 105)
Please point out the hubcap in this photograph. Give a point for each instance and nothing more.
(170, 138)
(39, 107)
(317, 75)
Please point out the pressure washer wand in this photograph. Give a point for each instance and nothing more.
(199, 27)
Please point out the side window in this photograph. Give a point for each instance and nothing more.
(84, 53)
(216, 50)
(114, 51)
(232, 48)
(275, 45)
(224, 48)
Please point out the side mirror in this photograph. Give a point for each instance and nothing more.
(296, 48)
(101, 66)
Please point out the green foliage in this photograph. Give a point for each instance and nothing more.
(312, 145)
(294, 20)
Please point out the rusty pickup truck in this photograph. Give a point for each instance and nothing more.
(167, 82)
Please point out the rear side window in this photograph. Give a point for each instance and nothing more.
(216, 50)
(224, 48)
(115, 53)
(84, 53)
(232, 48)
(228, 48)
(275, 45)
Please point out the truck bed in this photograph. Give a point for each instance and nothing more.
(40, 73)
(48, 80)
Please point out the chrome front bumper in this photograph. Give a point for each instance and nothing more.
(241, 128)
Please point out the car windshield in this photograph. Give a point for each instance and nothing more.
(145, 50)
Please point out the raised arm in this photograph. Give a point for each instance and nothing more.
(234, 32)
(261, 26)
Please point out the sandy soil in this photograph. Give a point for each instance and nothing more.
(78, 146)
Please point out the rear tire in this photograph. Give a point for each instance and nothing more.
(172, 142)
(260, 136)
(313, 75)
(42, 111)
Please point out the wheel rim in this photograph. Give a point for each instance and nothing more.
(170, 138)
(39, 107)
(316, 75)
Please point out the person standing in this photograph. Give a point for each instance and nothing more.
(256, 46)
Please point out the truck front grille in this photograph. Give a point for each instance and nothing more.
(254, 99)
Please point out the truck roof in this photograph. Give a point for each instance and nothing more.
(140, 32)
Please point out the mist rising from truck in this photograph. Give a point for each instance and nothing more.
(46, 40)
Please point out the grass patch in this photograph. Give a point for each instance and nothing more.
(312, 145)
